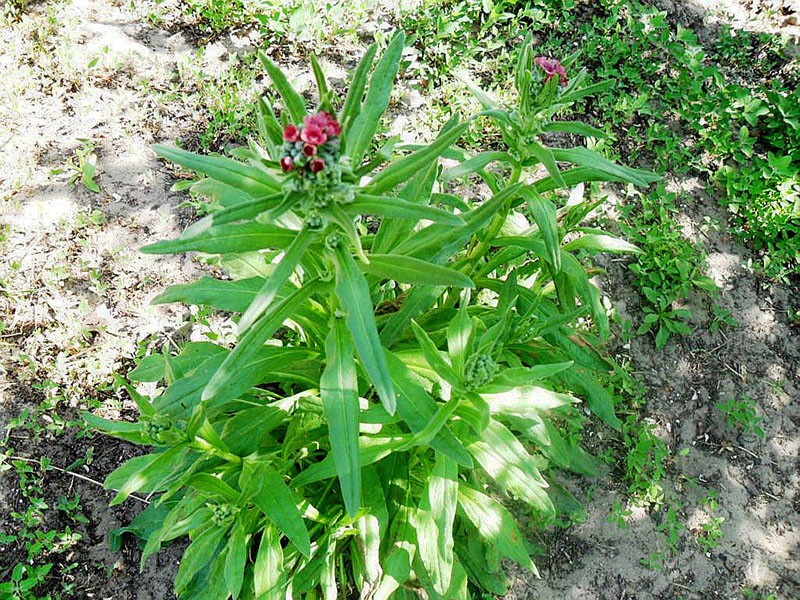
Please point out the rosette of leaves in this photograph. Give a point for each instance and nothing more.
(389, 383)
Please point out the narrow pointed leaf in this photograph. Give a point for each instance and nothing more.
(355, 93)
(476, 163)
(247, 178)
(353, 293)
(406, 269)
(544, 213)
(339, 390)
(292, 100)
(361, 132)
(283, 270)
(225, 239)
(391, 207)
(583, 157)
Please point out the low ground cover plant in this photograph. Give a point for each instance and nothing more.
(407, 355)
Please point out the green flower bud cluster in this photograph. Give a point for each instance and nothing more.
(479, 370)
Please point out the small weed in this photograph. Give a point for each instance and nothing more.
(742, 415)
(710, 534)
(619, 514)
(722, 318)
(654, 561)
(82, 165)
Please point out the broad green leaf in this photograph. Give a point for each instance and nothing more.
(249, 179)
(476, 163)
(397, 208)
(600, 401)
(250, 344)
(230, 238)
(594, 242)
(544, 213)
(404, 168)
(459, 335)
(147, 473)
(372, 525)
(417, 408)
(495, 525)
(267, 490)
(475, 555)
(504, 458)
(576, 127)
(576, 275)
(268, 572)
(434, 358)
(213, 487)
(292, 100)
(245, 431)
(234, 296)
(362, 130)
(583, 157)
(522, 401)
(371, 450)
(355, 92)
(522, 376)
(547, 157)
(199, 553)
(567, 456)
(153, 367)
(435, 519)
(339, 390)
(272, 286)
(353, 293)
(132, 432)
(406, 269)
(236, 559)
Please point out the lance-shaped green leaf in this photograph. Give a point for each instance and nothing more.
(522, 401)
(322, 85)
(435, 519)
(476, 163)
(269, 576)
(406, 269)
(600, 401)
(495, 525)
(355, 93)
(147, 473)
(396, 208)
(339, 390)
(459, 336)
(353, 293)
(416, 407)
(247, 209)
(199, 553)
(236, 558)
(291, 99)
(234, 296)
(507, 461)
(576, 127)
(269, 128)
(225, 239)
(522, 376)
(583, 157)
(403, 169)
(280, 275)
(601, 242)
(544, 213)
(372, 525)
(250, 345)
(434, 358)
(247, 178)
(547, 157)
(131, 432)
(265, 487)
(361, 132)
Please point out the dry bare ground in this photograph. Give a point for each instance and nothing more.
(74, 304)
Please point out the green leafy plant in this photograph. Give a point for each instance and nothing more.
(404, 354)
(83, 166)
(741, 414)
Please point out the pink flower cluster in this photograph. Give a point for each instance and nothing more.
(551, 68)
(312, 143)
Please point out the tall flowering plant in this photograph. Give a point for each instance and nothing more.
(391, 384)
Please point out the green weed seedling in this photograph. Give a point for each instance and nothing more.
(742, 415)
(82, 165)
(386, 380)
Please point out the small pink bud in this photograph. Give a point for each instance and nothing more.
(291, 133)
(317, 165)
(287, 164)
(309, 150)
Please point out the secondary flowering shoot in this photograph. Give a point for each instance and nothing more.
(311, 148)
(552, 68)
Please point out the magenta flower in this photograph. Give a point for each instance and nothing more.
(317, 165)
(309, 149)
(287, 164)
(291, 133)
(324, 121)
(551, 68)
(313, 134)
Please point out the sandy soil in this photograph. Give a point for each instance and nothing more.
(75, 310)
